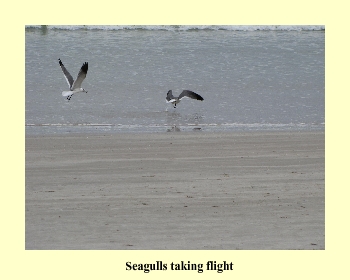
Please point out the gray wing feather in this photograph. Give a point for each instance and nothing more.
(81, 76)
(169, 95)
(68, 76)
(190, 94)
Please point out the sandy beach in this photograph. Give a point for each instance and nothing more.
(192, 190)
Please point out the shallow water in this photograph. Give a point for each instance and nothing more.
(250, 79)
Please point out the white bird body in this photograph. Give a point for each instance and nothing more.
(71, 92)
(74, 85)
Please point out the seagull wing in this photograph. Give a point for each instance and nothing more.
(169, 96)
(190, 94)
(68, 76)
(81, 76)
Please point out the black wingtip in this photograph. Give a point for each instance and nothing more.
(59, 60)
(198, 97)
(85, 67)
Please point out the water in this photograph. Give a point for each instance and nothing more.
(251, 78)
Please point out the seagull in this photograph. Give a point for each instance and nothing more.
(185, 93)
(74, 85)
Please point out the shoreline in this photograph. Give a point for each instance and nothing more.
(98, 129)
(189, 190)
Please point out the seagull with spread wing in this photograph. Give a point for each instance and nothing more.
(74, 85)
(185, 93)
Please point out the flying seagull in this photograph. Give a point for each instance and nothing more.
(74, 85)
(185, 93)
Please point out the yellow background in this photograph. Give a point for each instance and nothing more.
(16, 263)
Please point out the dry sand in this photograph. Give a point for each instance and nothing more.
(254, 190)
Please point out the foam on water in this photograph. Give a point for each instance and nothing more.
(186, 27)
(61, 128)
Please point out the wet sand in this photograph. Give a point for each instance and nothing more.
(195, 190)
